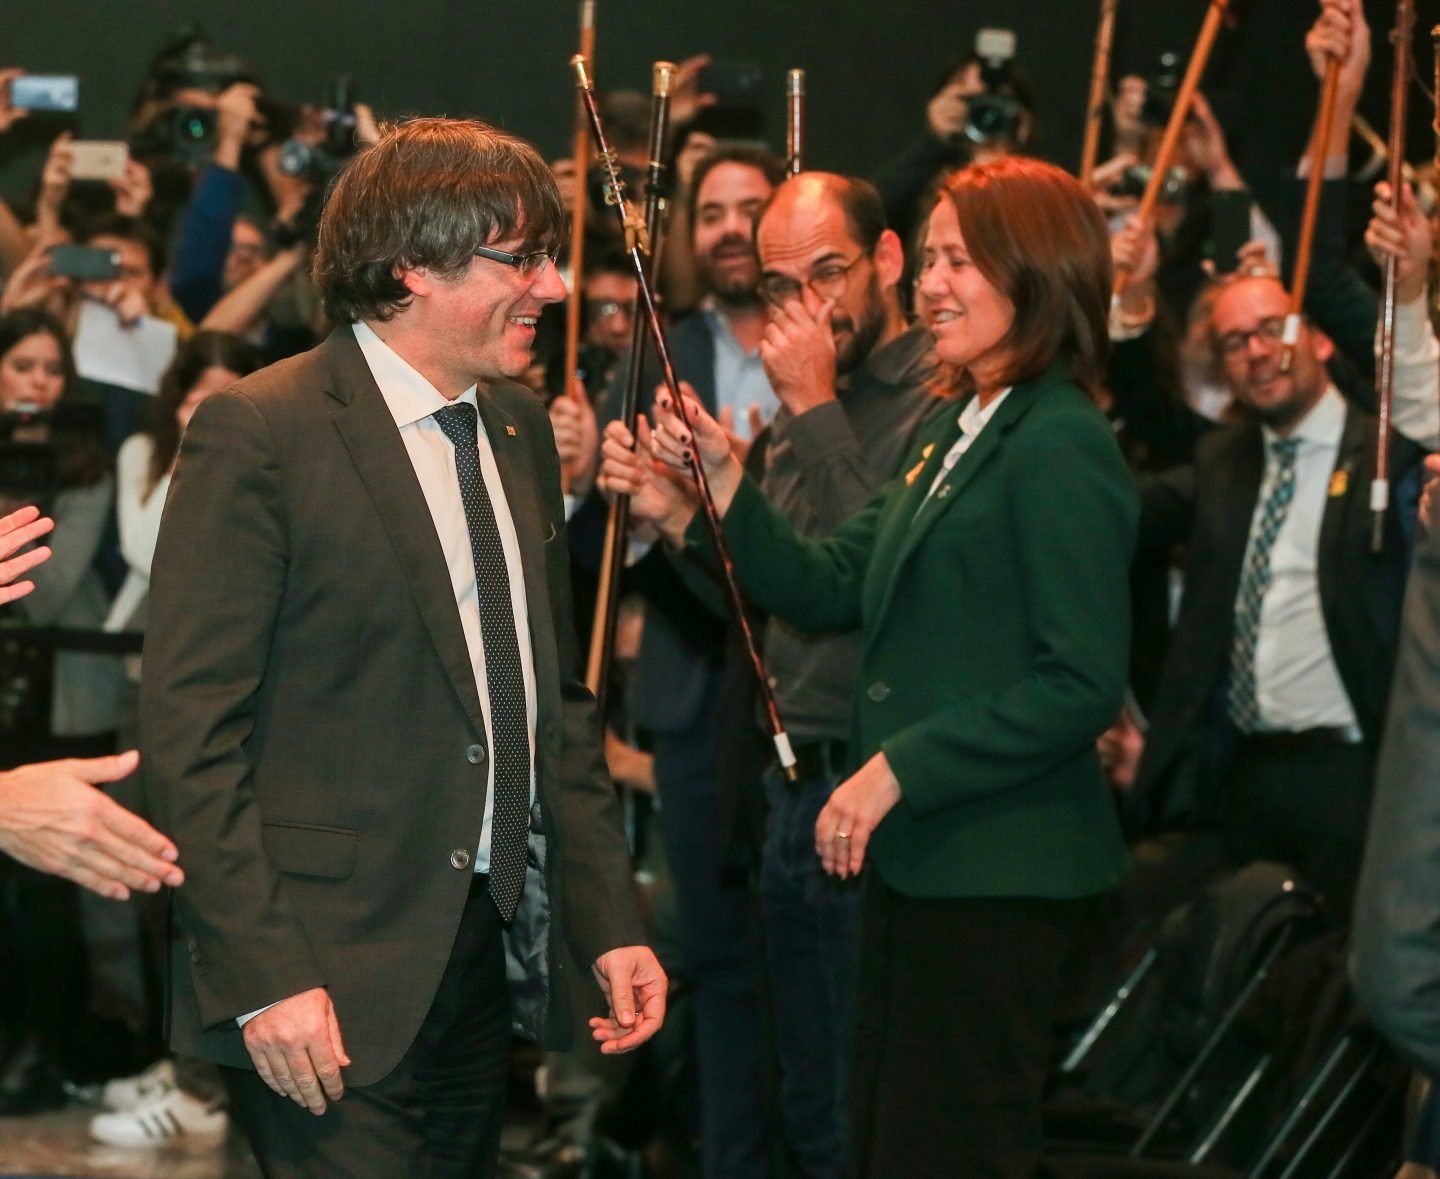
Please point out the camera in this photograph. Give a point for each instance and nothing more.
(318, 161)
(996, 115)
(1161, 89)
(1136, 178)
(31, 441)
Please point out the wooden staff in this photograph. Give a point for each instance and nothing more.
(1171, 139)
(612, 564)
(1099, 86)
(1400, 38)
(1320, 151)
(794, 121)
(579, 153)
(616, 197)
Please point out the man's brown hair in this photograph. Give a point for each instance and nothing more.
(1038, 237)
(425, 195)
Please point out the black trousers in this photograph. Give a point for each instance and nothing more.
(437, 1115)
(1306, 806)
(953, 1030)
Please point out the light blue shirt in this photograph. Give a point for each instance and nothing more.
(740, 379)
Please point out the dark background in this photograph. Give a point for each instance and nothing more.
(871, 65)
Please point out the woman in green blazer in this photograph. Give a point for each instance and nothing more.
(990, 583)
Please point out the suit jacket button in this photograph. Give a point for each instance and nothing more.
(475, 754)
(460, 859)
(878, 691)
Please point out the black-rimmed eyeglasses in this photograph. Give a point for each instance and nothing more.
(529, 265)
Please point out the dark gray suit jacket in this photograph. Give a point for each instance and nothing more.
(311, 731)
(1395, 937)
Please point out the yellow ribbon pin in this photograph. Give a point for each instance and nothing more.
(914, 472)
(1339, 483)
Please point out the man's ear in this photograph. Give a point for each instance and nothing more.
(416, 280)
(889, 259)
(1321, 345)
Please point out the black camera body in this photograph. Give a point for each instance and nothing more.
(31, 441)
(996, 115)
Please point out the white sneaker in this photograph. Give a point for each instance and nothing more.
(171, 1117)
(126, 1093)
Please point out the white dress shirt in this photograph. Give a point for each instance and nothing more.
(1298, 685)
(972, 421)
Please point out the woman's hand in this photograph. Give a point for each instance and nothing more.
(843, 830)
(673, 443)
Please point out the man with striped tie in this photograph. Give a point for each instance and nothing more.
(1270, 707)
(361, 716)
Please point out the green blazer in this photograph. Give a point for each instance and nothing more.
(996, 623)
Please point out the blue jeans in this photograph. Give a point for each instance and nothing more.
(812, 926)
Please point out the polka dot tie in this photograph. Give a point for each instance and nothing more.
(509, 727)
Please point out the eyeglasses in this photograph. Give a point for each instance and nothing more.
(1270, 330)
(529, 265)
(829, 282)
(607, 309)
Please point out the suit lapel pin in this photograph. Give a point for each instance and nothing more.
(943, 492)
(1339, 483)
(511, 431)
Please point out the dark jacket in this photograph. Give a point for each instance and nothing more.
(995, 632)
(312, 732)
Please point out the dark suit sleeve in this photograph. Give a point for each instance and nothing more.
(1395, 936)
(1073, 535)
(217, 584)
(601, 911)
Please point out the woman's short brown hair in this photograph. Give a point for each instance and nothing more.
(1038, 237)
(425, 195)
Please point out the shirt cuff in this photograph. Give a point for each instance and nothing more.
(242, 1020)
(572, 505)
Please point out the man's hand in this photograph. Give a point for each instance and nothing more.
(236, 113)
(9, 112)
(1205, 142)
(1407, 237)
(946, 112)
(19, 528)
(634, 986)
(577, 438)
(1429, 490)
(133, 190)
(53, 819)
(1341, 34)
(686, 98)
(130, 305)
(297, 1049)
(658, 495)
(31, 284)
(798, 352)
(845, 824)
(1135, 252)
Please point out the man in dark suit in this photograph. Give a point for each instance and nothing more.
(361, 711)
(1270, 705)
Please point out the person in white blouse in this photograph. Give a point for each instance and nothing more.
(209, 362)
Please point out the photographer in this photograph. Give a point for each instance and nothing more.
(959, 130)
(56, 457)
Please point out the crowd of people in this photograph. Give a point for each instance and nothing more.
(1070, 594)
